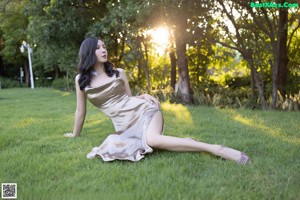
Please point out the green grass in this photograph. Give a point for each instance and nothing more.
(45, 165)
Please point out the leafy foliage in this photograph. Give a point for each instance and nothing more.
(55, 29)
(8, 83)
(13, 27)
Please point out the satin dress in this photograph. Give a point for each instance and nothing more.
(130, 116)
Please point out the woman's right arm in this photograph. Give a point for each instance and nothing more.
(80, 111)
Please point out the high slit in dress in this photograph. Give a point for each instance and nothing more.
(130, 116)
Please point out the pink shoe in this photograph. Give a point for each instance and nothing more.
(244, 159)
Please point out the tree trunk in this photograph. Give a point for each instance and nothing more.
(140, 63)
(283, 51)
(57, 71)
(183, 71)
(27, 75)
(1, 66)
(145, 65)
(115, 57)
(198, 67)
(279, 69)
(248, 57)
(173, 69)
(274, 70)
(252, 83)
(67, 79)
(259, 86)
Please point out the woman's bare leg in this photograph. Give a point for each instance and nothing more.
(155, 139)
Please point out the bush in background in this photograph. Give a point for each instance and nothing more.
(63, 85)
(43, 82)
(9, 83)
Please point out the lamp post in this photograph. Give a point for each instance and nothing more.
(29, 50)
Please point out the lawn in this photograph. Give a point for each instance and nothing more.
(45, 165)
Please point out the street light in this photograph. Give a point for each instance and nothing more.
(29, 50)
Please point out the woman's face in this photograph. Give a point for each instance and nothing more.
(101, 52)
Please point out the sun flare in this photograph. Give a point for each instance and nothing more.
(160, 38)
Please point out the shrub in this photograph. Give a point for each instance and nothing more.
(237, 82)
(9, 83)
(61, 84)
(43, 82)
(289, 103)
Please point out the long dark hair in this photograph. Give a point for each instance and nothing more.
(87, 60)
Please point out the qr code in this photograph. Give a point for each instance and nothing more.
(9, 191)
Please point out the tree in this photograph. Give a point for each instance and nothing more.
(264, 24)
(183, 17)
(1, 58)
(242, 40)
(188, 19)
(57, 28)
(13, 26)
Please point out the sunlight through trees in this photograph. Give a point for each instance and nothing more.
(183, 51)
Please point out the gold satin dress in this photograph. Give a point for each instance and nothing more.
(131, 117)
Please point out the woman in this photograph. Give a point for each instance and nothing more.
(138, 120)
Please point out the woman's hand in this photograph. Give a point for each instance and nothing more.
(69, 135)
(151, 99)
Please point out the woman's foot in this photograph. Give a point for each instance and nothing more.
(244, 159)
(232, 154)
